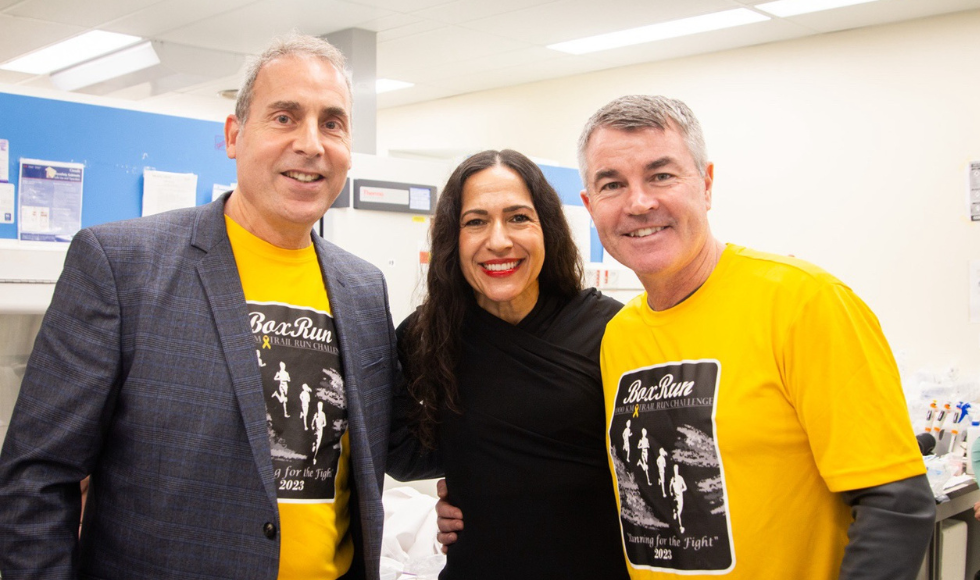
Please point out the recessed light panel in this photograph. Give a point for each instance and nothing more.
(72, 51)
(107, 67)
(387, 85)
(661, 31)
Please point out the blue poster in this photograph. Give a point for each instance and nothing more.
(50, 200)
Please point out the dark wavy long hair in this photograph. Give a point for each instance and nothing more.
(432, 342)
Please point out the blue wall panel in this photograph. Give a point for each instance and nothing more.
(115, 145)
(568, 183)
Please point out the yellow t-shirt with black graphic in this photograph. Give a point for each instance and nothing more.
(735, 417)
(299, 362)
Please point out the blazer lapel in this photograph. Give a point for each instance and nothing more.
(344, 312)
(223, 287)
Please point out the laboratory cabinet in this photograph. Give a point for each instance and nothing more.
(949, 556)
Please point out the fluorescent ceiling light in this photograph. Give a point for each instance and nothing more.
(785, 8)
(386, 85)
(107, 67)
(661, 31)
(72, 51)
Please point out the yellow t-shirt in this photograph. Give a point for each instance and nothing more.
(735, 417)
(299, 361)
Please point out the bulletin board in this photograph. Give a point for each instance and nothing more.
(115, 146)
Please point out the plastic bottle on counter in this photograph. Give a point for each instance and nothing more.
(973, 448)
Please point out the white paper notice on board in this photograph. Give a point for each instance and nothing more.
(164, 191)
(974, 290)
(50, 200)
(4, 160)
(6, 203)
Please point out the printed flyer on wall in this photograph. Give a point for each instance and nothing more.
(50, 200)
(4, 160)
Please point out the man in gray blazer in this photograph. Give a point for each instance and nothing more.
(231, 409)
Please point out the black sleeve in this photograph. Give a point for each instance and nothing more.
(408, 459)
(893, 524)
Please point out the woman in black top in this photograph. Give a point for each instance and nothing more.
(502, 393)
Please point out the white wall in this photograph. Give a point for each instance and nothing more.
(391, 241)
(849, 150)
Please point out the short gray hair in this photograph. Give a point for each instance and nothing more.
(288, 45)
(634, 112)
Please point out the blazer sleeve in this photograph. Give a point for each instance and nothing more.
(60, 419)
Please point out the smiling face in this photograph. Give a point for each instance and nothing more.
(501, 245)
(650, 205)
(293, 152)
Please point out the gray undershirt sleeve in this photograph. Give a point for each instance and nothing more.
(893, 524)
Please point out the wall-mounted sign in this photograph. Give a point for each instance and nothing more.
(50, 200)
(6, 203)
(393, 196)
(4, 160)
(166, 190)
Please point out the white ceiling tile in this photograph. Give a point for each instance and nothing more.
(398, 5)
(871, 14)
(410, 28)
(249, 29)
(38, 82)
(462, 11)
(153, 21)
(12, 78)
(570, 19)
(438, 47)
(478, 65)
(87, 13)
(392, 21)
(752, 34)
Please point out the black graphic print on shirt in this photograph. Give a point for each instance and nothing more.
(668, 470)
(299, 362)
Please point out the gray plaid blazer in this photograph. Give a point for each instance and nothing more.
(144, 375)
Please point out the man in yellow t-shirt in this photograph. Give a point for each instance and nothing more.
(765, 381)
